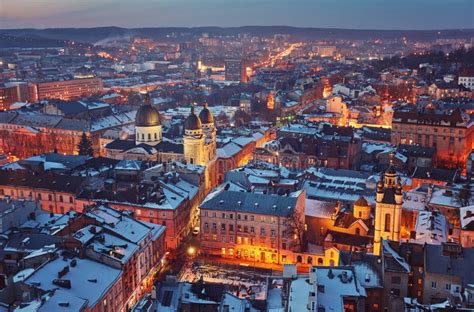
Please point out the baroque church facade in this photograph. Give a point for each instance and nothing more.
(198, 145)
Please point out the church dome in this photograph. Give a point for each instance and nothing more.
(147, 115)
(192, 122)
(206, 116)
(361, 202)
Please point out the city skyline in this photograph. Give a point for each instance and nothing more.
(366, 14)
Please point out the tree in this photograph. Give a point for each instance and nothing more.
(85, 146)
(295, 222)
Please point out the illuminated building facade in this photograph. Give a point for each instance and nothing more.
(450, 133)
(254, 227)
(235, 70)
(69, 89)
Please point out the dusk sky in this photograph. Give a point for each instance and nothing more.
(361, 14)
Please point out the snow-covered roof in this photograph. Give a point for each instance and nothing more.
(431, 228)
(319, 209)
(90, 280)
(466, 216)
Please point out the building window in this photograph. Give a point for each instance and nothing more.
(448, 286)
(433, 285)
(357, 231)
(387, 222)
(149, 136)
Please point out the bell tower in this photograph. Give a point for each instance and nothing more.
(194, 140)
(388, 209)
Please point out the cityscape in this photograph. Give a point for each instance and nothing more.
(152, 163)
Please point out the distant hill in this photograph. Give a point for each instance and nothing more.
(11, 41)
(93, 35)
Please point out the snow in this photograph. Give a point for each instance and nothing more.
(299, 293)
(431, 228)
(467, 215)
(319, 209)
(335, 288)
(444, 197)
(228, 150)
(415, 200)
(366, 275)
(396, 256)
(369, 148)
(274, 300)
(22, 275)
(61, 297)
(114, 221)
(128, 165)
(236, 278)
(89, 279)
(114, 247)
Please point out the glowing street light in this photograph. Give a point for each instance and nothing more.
(191, 251)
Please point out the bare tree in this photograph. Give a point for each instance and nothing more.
(296, 224)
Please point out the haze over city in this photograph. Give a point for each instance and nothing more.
(364, 14)
(236, 156)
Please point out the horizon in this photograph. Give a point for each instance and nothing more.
(246, 26)
(344, 14)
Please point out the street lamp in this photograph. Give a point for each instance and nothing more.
(191, 251)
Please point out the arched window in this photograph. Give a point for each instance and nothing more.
(149, 136)
(320, 261)
(310, 260)
(387, 222)
(143, 137)
(299, 259)
(360, 214)
(156, 136)
(357, 231)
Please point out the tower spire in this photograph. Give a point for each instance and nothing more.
(147, 99)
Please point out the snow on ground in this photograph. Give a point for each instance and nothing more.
(243, 282)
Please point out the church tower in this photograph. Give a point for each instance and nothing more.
(388, 209)
(209, 130)
(194, 140)
(148, 124)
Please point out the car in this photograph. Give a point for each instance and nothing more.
(196, 231)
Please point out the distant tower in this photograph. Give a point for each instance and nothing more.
(194, 140)
(388, 209)
(148, 124)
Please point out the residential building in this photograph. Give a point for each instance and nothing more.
(254, 227)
